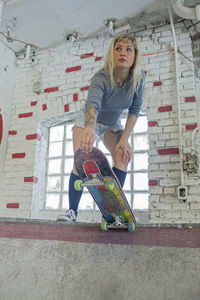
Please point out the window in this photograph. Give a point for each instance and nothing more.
(60, 164)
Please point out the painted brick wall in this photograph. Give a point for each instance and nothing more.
(7, 77)
(162, 111)
(64, 75)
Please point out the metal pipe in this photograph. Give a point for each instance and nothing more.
(185, 12)
(178, 94)
(1, 9)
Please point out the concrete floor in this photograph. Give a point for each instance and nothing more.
(47, 260)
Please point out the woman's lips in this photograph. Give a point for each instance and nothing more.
(122, 60)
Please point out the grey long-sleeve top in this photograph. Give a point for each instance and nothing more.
(110, 103)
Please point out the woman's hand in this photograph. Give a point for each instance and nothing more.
(126, 149)
(87, 139)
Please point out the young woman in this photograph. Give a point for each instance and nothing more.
(117, 87)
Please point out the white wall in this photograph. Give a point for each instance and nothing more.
(64, 76)
(7, 77)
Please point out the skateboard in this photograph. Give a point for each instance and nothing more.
(96, 174)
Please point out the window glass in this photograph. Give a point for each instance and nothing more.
(140, 161)
(54, 184)
(55, 149)
(141, 181)
(140, 201)
(52, 201)
(56, 133)
(54, 166)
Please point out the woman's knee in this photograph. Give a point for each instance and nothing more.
(118, 159)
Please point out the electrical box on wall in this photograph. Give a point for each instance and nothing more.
(182, 193)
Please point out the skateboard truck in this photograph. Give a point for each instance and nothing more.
(107, 183)
(117, 224)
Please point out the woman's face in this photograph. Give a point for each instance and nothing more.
(124, 54)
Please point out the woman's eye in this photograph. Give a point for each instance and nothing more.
(129, 49)
(117, 48)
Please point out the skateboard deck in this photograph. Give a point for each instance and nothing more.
(96, 174)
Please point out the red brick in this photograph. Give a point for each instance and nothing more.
(165, 108)
(18, 155)
(168, 151)
(98, 58)
(12, 132)
(86, 55)
(190, 99)
(153, 182)
(12, 205)
(152, 123)
(34, 136)
(85, 88)
(157, 83)
(26, 115)
(51, 89)
(191, 126)
(66, 107)
(44, 107)
(75, 97)
(34, 103)
(73, 69)
(31, 179)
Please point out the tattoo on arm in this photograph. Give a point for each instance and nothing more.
(90, 117)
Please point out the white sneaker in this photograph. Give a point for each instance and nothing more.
(70, 216)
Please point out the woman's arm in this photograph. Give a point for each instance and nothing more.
(90, 117)
(88, 137)
(130, 123)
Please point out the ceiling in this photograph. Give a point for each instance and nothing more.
(47, 23)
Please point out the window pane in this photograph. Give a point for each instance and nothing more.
(56, 133)
(69, 131)
(127, 184)
(54, 184)
(140, 201)
(52, 201)
(65, 203)
(55, 149)
(66, 184)
(141, 125)
(140, 181)
(140, 142)
(86, 201)
(128, 197)
(140, 161)
(103, 148)
(69, 162)
(54, 166)
(69, 148)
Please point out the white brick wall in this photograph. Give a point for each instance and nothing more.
(7, 77)
(160, 101)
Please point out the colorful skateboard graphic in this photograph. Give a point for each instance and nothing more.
(97, 175)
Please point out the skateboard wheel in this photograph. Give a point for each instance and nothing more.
(104, 226)
(109, 184)
(77, 185)
(131, 227)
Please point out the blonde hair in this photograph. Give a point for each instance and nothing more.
(136, 67)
